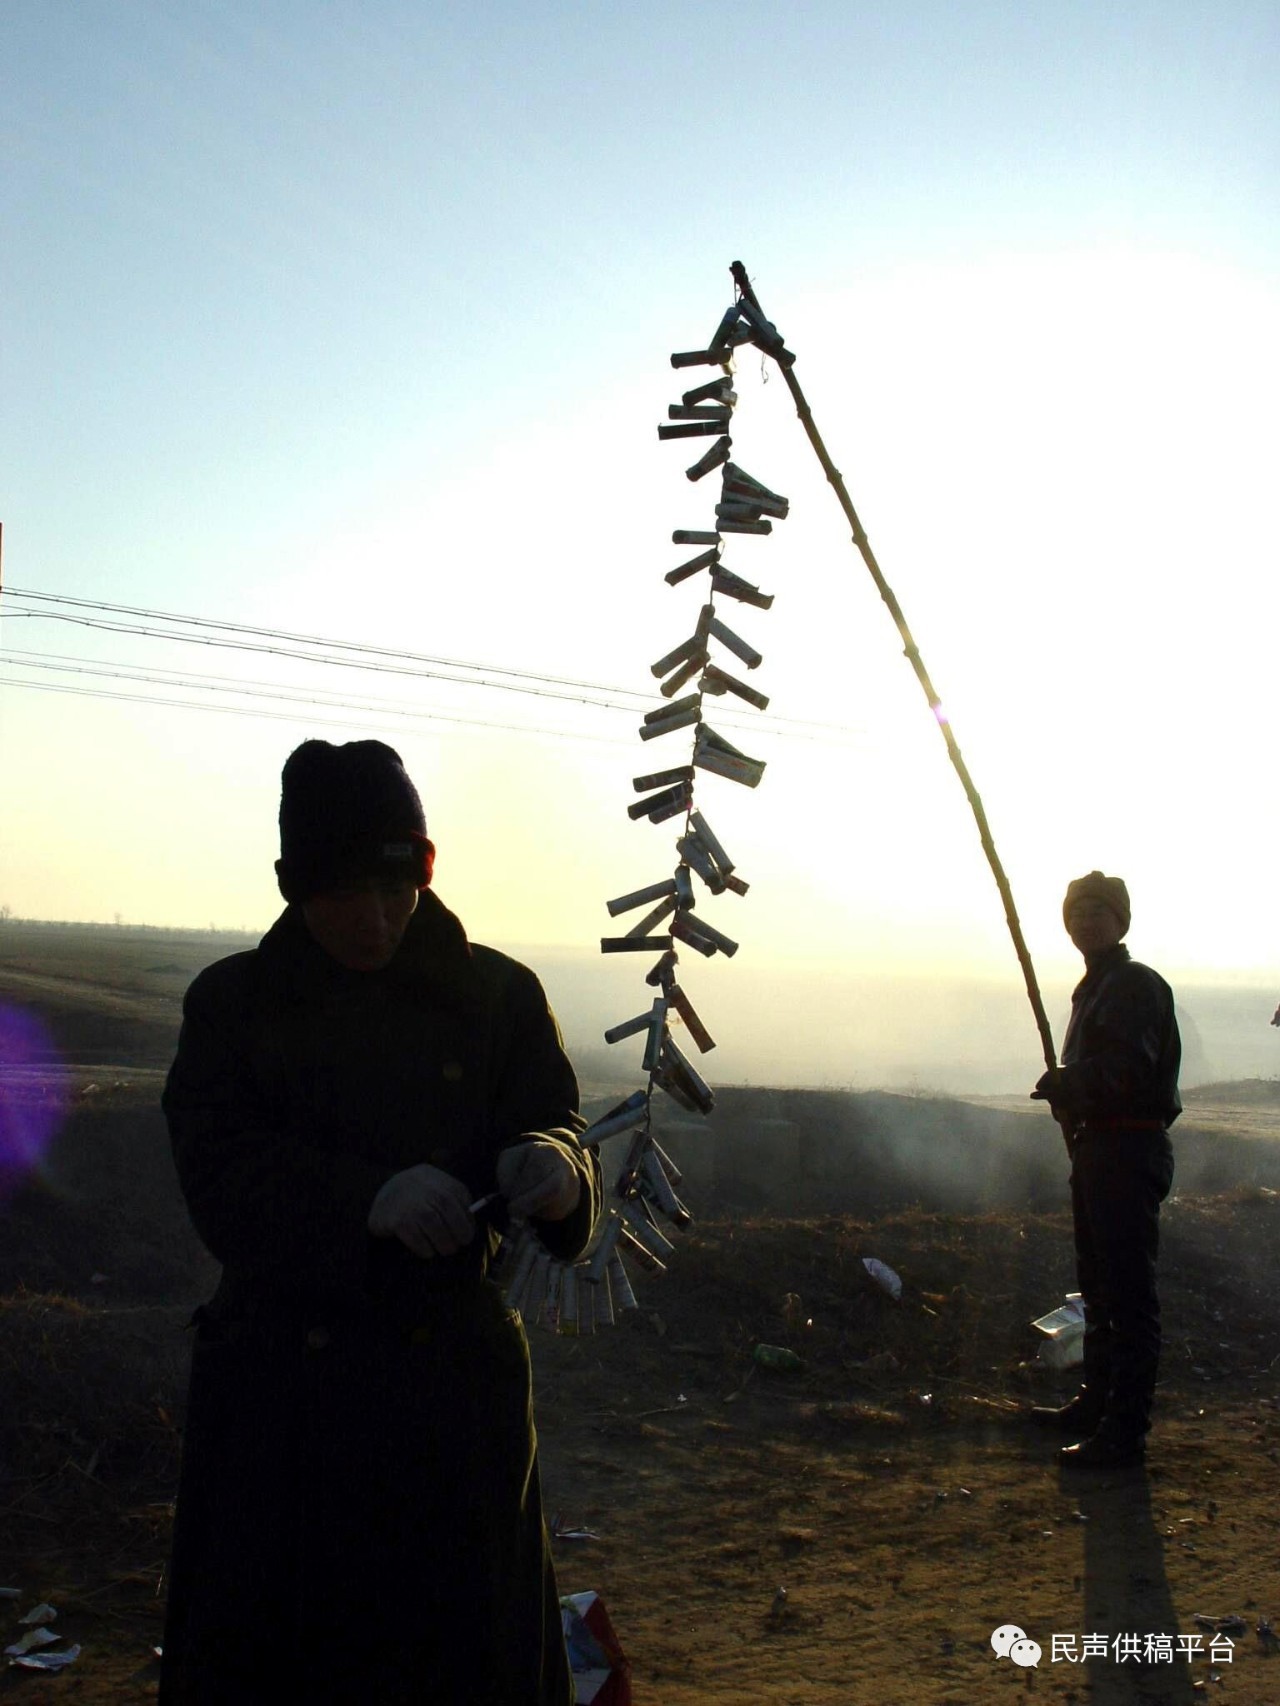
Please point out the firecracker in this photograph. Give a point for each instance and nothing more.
(672, 914)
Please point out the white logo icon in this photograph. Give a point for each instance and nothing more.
(1010, 1642)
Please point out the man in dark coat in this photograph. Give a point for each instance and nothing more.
(1117, 1094)
(359, 1515)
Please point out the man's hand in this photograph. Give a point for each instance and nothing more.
(426, 1210)
(538, 1179)
(1049, 1089)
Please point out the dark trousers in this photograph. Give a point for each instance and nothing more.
(1119, 1178)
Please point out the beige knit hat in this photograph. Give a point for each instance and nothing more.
(1109, 890)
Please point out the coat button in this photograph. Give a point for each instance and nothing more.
(317, 1338)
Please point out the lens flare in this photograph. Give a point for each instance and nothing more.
(34, 1093)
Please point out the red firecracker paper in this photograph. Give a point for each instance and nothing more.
(601, 1670)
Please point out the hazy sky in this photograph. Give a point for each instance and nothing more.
(354, 321)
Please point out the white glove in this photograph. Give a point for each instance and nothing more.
(539, 1179)
(426, 1210)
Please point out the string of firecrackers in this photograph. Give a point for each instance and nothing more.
(579, 1296)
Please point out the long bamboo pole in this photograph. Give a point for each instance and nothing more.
(912, 651)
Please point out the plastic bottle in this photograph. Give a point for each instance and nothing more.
(777, 1357)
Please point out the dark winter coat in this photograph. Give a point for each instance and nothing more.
(1121, 1053)
(359, 1515)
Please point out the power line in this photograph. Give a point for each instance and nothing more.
(62, 664)
(604, 697)
(417, 674)
(295, 717)
(356, 646)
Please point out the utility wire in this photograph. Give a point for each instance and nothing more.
(355, 646)
(294, 716)
(580, 698)
(62, 664)
(592, 694)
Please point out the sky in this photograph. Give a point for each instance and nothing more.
(353, 322)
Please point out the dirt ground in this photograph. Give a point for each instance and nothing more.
(850, 1532)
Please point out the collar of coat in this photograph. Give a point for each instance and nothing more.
(1096, 966)
(434, 959)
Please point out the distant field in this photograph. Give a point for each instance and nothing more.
(840, 1028)
(109, 996)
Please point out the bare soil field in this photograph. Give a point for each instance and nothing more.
(890, 1485)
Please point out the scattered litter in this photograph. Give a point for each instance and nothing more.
(1064, 1333)
(779, 1606)
(601, 1670)
(777, 1357)
(39, 1614)
(48, 1661)
(884, 1276)
(1267, 1635)
(1232, 1625)
(98, 1279)
(30, 1641)
(562, 1530)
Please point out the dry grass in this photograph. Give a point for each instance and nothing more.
(887, 1484)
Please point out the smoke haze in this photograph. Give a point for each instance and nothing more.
(831, 1026)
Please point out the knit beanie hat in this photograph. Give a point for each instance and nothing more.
(348, 812)
(1109, 890)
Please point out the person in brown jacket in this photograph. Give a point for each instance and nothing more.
(359, 1515)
